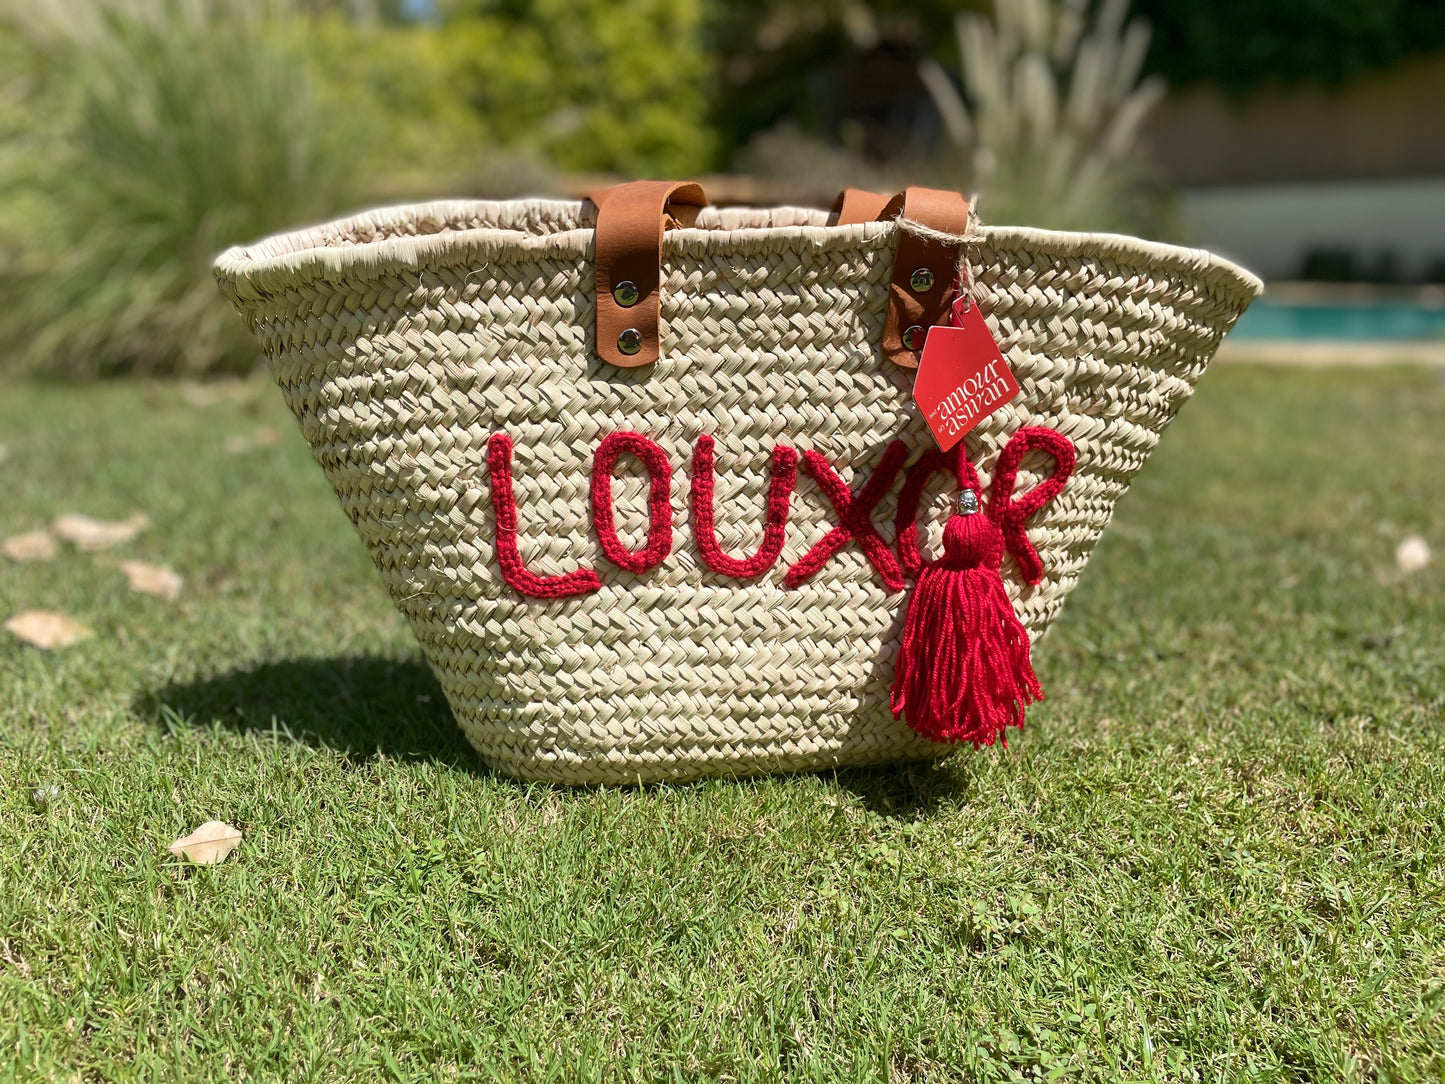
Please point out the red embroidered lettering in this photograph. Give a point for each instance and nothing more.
(1010, 514)
(659, 501)
(504, 508)
(855, 511)
(905, 524)
(780, 493)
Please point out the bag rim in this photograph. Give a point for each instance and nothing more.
(324, 252)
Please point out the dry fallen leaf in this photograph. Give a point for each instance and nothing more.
(30, 546)
(266, 437)
(1412, 554)
(46, 630)
(152, 579)
(208, 844)
(85, 533)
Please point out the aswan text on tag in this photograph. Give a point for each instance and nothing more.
(962, 377)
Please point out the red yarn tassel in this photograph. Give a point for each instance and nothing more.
(964, 673)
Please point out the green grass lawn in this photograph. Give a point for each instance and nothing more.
(1215, 853)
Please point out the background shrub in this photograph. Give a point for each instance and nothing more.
(610, 85)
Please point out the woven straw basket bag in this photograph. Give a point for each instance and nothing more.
(632, 467)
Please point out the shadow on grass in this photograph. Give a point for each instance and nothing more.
(365, 705)
(359, 705)
(912, 791)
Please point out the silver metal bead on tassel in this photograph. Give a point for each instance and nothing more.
(967, 503)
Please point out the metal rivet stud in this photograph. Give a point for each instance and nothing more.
(913, 338)
(630, 341)
(626, 293)
(967, 503)
(921, 280)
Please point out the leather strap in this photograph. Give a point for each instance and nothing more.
(919, 260)
(909, 306)
(631, 219)
(856, 205)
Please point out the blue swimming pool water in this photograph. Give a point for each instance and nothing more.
(1395, 321)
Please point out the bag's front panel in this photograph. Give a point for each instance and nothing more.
(402, 382)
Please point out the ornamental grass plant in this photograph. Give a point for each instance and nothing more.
(143, 136)
(1048, 119)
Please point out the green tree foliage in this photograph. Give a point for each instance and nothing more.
(616, 85)
(1242, 44)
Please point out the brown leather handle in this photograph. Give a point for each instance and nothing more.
(631, 219)
(855, 205)
(923, 266)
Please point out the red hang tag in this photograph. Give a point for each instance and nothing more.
(962, 376)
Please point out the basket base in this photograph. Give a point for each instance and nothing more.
(531, 754)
